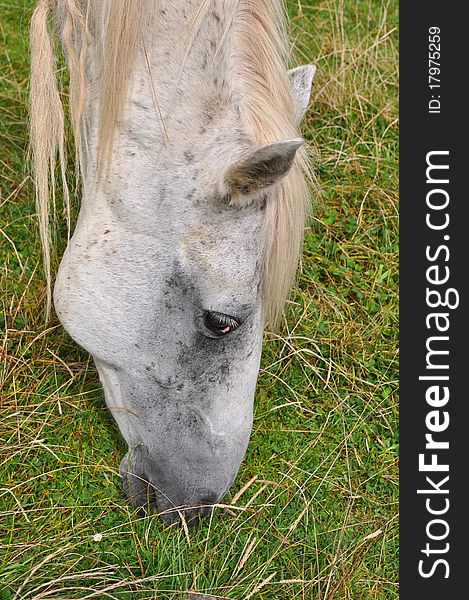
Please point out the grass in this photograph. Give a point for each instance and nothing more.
(313, 511)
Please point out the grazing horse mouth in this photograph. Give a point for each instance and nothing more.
(147, 496)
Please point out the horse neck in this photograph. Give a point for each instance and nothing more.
(180, 81)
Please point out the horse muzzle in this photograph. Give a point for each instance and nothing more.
(171, 497)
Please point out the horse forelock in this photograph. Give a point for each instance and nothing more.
(258, 70)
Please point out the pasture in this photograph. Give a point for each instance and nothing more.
(313, 513)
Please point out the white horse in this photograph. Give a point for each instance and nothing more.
(194, 198)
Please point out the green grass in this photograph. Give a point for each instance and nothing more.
(317, 516)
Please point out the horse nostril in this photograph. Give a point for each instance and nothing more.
(191, 512)
(209, 500)
(193, 515)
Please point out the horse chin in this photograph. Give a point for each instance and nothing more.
(135, 482)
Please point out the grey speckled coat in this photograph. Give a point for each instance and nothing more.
(160, 282)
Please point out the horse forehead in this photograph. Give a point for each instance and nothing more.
(222, 245)
(200, 236)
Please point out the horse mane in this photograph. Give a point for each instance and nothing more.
(260, 57)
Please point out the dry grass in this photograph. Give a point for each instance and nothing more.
(313, 512)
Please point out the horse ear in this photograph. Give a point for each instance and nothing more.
(301, 80)
(260, 169)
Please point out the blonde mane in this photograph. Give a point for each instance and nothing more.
(260, 58)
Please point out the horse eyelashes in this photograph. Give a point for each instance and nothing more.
(219, 323)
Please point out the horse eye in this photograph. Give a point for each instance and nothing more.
(219, 323)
